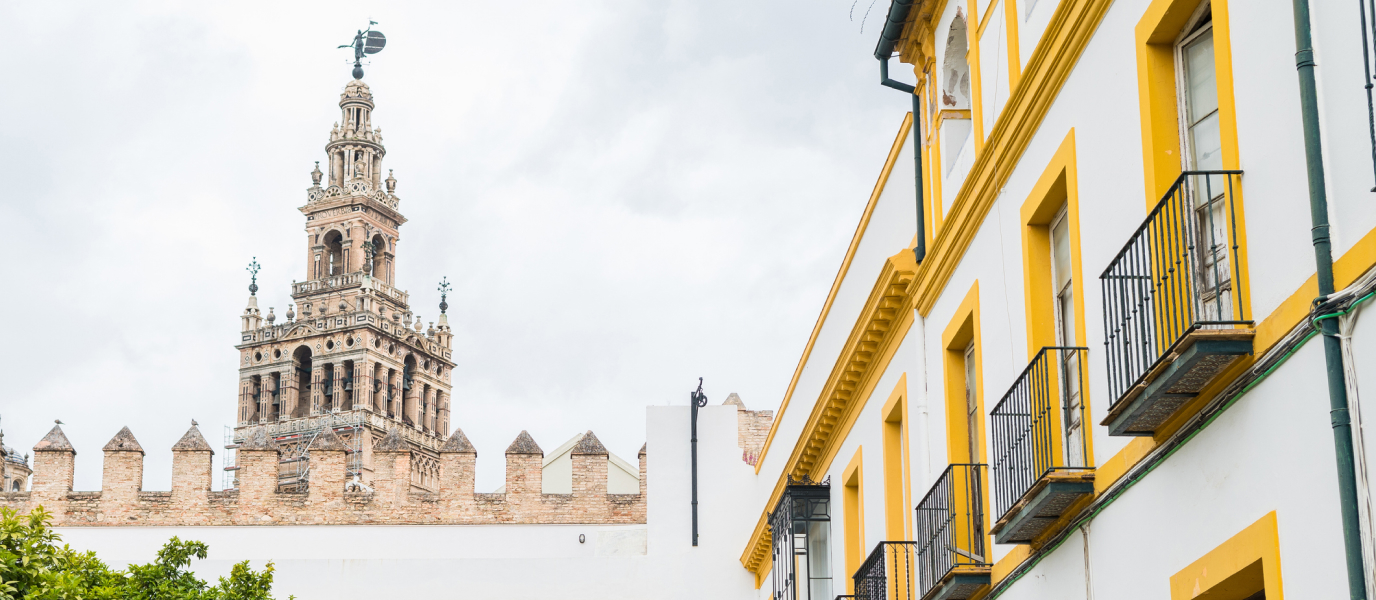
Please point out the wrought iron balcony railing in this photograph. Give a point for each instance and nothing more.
(889, 573)
(1177, 280)
(1041, 451)
(952, 560)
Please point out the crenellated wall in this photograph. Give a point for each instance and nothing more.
(331, 500)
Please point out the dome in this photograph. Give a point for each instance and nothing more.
(356, 90)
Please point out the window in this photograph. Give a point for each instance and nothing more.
(1063, 286)
(801, 529)
(1201, 150)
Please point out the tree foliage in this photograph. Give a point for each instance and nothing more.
(34, 567)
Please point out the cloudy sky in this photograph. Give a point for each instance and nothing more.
(627, 196)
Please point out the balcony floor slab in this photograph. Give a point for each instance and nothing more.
(1198, 359)
(1042, 506)
(961, 583)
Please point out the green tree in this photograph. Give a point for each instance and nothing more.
(33, 566)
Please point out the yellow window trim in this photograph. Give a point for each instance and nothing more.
(853, 507)
(897, 497)
(1010, 18)
(1236, 568)
(1058, 186)
(960, 333)
(879, 330)
(894, 150)
(1156, 34)
(972, 59)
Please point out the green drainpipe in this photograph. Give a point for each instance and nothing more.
(1323, 256)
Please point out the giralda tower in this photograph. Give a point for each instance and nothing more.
(350, 355)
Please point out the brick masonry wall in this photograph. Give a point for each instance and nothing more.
(752, 427)
(329, 501)
(332, 499)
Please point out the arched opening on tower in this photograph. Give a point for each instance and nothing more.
(327, 388)
(424, 412)
(249, 411)
(347, 396)
(274, 406)
(392, 393)
(379, 247)
(334, 251)
(409, 391)
(301, 362)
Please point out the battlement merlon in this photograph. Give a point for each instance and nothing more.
(330, 499)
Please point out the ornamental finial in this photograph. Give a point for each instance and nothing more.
(365, 43)
(444, 295)
(253, 272)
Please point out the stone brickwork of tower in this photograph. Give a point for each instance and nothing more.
(350, 354)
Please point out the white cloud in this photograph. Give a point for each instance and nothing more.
(626, 195)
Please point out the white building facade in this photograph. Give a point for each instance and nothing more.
(1089, 367)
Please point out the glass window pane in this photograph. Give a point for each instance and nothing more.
(1060, 255)
(1066, 308)
(1199, 77)
(819, 555)
(1206, 149)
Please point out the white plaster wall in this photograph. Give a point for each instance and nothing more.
(1271, 145)
(1343, 117)
(650, 561)
(993, 59)
(1032, 24)
(892, 227)
(327, 562)
(726, 520)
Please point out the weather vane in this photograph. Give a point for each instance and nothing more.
(253, 271)
(365, 42)
(444, 295)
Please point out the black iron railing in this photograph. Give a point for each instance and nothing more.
(1179, 272)
(890, 573)
(950, 525)
(1039, 425)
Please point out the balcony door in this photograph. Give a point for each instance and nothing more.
(1202, 150)
(1068, 361)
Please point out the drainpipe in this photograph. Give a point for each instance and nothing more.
(893, 30)
(1332, 348)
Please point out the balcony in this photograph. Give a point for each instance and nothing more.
(952, 561)
(1174, 318)
(1042, 465)
(800, 526)
(890, 573)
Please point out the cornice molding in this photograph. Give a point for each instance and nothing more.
(842, 397)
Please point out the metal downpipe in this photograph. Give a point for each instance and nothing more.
(920, 250)
(1323, 257)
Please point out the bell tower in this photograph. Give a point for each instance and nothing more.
(350, 354)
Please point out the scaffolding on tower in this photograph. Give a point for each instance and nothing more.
(293, 468)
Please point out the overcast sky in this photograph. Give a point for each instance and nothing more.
(626, 195)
